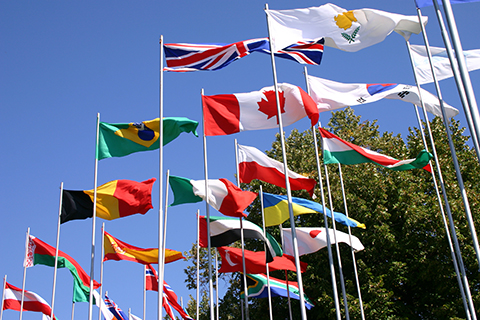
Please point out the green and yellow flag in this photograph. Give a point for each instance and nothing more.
(121, 139)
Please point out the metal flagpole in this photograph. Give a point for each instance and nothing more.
(265, 248)
(164, 234)
(287, 181)
(198, 264)
(94, 218)
(73, 310)
(216, 283)
(286, 276)
(3, 296)
(322, 195)
(244, 275)
(144, 292)
(101, 268)
(27, 240)
(210, 282)
(56, 249)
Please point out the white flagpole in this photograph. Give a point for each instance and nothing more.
(94, 218)
(101, 268)
(216, 283)
(325, 218)
(210, 282)
(286, 277)
(56, 249)
(265, 248)
(160, 182)
(144, 291)
(27, 240)
(3, 296)
(287, 181)
(73, 310)
(161, 265)
(242, 237)
(198, 264)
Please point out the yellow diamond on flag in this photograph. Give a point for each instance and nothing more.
(145, 133)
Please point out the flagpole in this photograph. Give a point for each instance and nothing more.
(73, 310)
(161, 266)
(94, 216)
(160, 191)
(286, 276)
(27, 240)
(265, 248)
(144, 291)
(129, 313)
(101, 267)
(351, 245)
(3, 296)
(210, 283)
(56, 249)
(287, 181)
(198, 264)
(245, 288)
(216, 282)
(325, 218)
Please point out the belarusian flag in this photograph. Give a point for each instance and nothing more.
(121, 139)
(223, 195)
(336, 150)
(41, 253)
(31, 301)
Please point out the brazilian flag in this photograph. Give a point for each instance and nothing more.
(121, 139)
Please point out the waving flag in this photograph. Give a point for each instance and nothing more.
(31, 301)
(346, 30)
(257, 288)
(231, 113)
(310, 240)
(330, 95)
(304, 52)
(336, 150)
(114, 309)
(254, 164)
(173, 301)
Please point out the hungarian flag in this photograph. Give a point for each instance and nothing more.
(224, 231)
(231, 113)
(119, 250)
(330, 95)
(41, 253)
(115, 199)
(254, 261)
(258, 288)
(310, 240)
(122, 139)
(254, 164)
(223, 195)
(31, 301)
(336, 150)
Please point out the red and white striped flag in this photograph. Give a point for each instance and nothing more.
(31, 301)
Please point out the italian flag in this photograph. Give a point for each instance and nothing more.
(336, 150)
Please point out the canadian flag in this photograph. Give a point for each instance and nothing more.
(231, 113)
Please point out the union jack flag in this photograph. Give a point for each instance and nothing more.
(182, 57)
(115, 310)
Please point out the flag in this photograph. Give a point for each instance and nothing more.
(254, 164)
(31, 301)
(167, 306)
(133, 317)
(426, 3)
(151, 278)
(173, 301)
(254, 261)
(336, 150)
(441, 63)
(119, 250)
(330, 95)
(231, 113)
(257, 286)
(345, 30)
(276, 210)
(42, 253)
(115, 199)
(224, 196)
(310, 240)
(102, 306)
(184, 57)
(114, 309)
(224, 231)
(122, 139)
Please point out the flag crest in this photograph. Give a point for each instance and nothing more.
(144, 133)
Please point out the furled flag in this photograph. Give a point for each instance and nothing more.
(119, 250)
(224, 196)
(183, 57)
(330, 95)
(258, 288)
(345, 30)
(224, 231)
(276, 210)
(441, 63)
(336, 150)
(310, 240)
(254, 261)
(231, 113)
(426, 3)
(115, 199)
(254, 164)
(12, 300)
(118, 314)
(40, 252)
(122, 139)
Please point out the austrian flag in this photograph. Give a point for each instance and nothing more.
(231, 113)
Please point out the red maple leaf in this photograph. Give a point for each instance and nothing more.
(269, 106)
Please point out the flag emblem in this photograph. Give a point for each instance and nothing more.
(269, 106)
(144, 133)
(345, 21)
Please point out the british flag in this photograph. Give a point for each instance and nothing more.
(183, 57)
(115, 310)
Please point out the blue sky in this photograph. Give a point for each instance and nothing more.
(62, 62)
